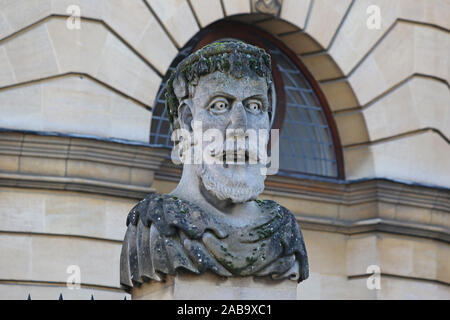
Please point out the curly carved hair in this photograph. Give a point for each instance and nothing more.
(234, 57)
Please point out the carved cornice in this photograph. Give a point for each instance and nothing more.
(362, 191)
(74, 184)
(78, 164)
(375, 225)
(350, 198)
(343, 192)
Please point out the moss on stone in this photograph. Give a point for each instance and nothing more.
(235, 57)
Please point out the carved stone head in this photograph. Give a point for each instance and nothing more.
(208, 224)
(225, 86)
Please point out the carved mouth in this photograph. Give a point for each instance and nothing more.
(235, 158)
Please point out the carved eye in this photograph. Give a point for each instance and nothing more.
(254, 106)
(219, 105)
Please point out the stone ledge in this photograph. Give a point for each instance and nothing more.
(74, 184)
(360, 192)
(78, 164)
(343, 192)
(365, 276)
(375, 225)
(352, 207)
(61, 236)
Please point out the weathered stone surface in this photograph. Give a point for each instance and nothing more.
(235, 58)
(209, 286)
(166, 233)
(212, 221)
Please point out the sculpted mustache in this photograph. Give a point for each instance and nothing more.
(233, 154)
(238, 155)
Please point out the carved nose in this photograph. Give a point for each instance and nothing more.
(238, 118)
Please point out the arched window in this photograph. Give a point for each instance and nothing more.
(309, 144)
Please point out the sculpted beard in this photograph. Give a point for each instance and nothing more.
(237, 182)
(240, 183)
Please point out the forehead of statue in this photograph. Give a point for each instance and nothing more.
(218, 83)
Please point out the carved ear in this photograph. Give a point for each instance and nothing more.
(185, 114)
(180, 86)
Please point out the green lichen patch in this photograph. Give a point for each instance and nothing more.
(234, 57)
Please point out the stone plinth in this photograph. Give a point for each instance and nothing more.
(211, 287)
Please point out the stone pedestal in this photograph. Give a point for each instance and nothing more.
(211, 287)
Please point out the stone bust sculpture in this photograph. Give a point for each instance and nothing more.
(213, 222)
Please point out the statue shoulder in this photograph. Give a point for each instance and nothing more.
(151, 246)
(290, 234)
(165, 233)
(146, 206)
(274, 207)
(168, 213)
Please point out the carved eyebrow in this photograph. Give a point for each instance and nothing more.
(222, 94)
(255, 96)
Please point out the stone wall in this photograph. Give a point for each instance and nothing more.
(88, 92)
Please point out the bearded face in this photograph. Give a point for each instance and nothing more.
(237, 110)
(235, 182)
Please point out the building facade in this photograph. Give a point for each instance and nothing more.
(361, 100)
